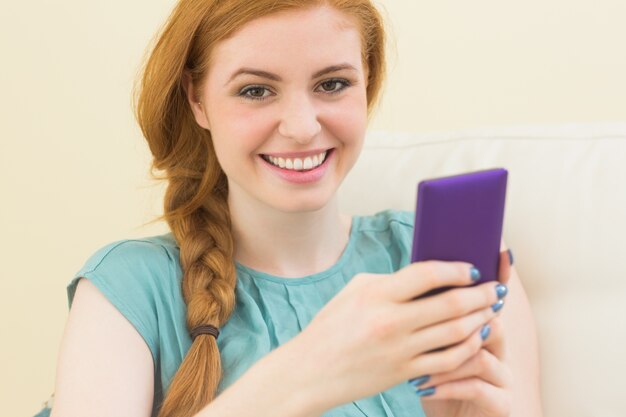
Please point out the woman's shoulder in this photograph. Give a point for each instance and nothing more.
(141, 278)
(384, 239)
(390, 219)
(127, 252)
(130, 265)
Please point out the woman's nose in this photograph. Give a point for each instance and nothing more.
(299, 119)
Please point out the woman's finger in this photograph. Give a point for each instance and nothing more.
(420, 277)
(449, 333)
(504, 266)
(444, 360)
(491, 400)
(449, 305)
(495, 343)
(483, 365)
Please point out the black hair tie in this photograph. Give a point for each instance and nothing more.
(206, 329)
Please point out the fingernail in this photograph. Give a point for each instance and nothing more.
(484, 332)
(502, 290)
(416, 382)
(497, 306)
(475, 274)
(425, 392)
(510, 256)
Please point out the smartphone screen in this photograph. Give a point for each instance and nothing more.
(460, 218)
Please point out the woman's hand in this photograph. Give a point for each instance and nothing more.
(374, 334)
(480, 387)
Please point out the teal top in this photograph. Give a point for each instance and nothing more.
(142, 279)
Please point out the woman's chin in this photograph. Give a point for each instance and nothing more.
(285, 199)
(302, 206)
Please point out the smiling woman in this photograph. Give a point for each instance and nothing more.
(307, 112)
(264, 298)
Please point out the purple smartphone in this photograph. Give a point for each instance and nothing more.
(460, 218)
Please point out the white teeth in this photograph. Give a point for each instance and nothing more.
(297, 163)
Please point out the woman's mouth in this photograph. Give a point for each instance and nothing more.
(297, 164)
(301, 170)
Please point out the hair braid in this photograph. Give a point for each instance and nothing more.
(208, 287)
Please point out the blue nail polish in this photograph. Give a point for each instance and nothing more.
(484, 332)
(497, 306)
(502, 290)
(510, 256)
(475, 274)
(416, 382)
(425, 392)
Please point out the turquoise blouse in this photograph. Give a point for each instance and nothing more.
(142, 279)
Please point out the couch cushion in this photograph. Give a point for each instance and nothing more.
(565, 220)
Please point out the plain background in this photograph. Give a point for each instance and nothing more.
(74, 167)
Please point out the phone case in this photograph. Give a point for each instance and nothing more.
(460, 218)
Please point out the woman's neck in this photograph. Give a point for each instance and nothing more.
(289, 245)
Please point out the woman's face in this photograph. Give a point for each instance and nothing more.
(286, 92)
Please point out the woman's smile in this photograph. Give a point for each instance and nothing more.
(299, 170)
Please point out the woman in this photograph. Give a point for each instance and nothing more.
(263, 292)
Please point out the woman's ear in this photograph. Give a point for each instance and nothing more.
(197, 107)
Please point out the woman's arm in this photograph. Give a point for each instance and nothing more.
(104, 366)
(278, 385)
(522, 352)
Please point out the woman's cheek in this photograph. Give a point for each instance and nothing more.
(250, 127)
(348, 122)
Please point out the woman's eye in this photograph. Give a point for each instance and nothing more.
(256, 93)
(327, 86)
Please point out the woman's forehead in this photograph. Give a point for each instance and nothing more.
(321, 36)
(323, 18)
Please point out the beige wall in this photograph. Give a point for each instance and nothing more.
(73, 166)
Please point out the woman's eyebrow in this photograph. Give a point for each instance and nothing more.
(271, 76)
(334, 68)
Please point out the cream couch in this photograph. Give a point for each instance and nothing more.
(565, 222)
